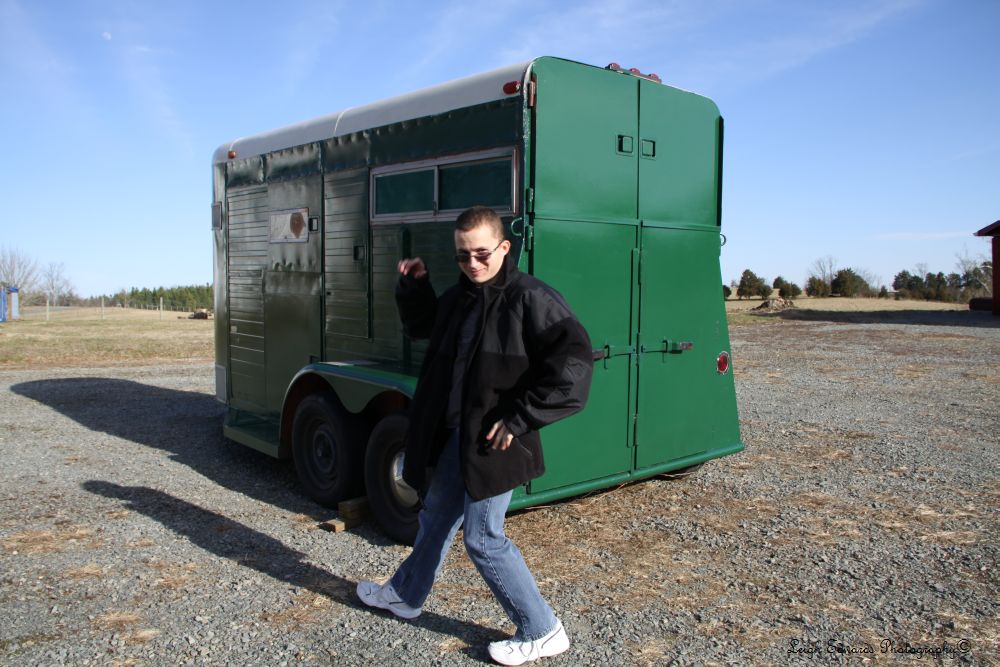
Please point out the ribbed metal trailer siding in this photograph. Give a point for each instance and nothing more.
(247, 234)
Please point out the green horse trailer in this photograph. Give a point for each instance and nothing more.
(609, 183)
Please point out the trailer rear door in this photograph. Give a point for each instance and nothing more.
(585, 247)
(685, 406)
(626, 179)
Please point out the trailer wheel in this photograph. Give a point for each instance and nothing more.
(394, 503)
(326, 450)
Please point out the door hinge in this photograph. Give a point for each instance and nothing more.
(635, 430)
(529, 236)
(531, 94)
(529, 200)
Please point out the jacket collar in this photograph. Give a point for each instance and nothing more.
(500, 281)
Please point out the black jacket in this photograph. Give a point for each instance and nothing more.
(530, 365)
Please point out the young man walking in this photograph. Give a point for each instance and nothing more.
(506, 357)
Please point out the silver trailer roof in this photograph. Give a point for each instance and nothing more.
(456, 94)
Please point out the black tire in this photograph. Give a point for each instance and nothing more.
(327, 450)
(393, 503)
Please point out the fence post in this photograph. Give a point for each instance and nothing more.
(102, 308)
(161, 308)
(46, 307)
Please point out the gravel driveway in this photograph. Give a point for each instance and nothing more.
(860, 524)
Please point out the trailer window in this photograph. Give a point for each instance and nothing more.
(404, 192)
(441, 187)
(465, 185)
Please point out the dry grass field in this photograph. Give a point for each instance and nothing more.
(845, 305)
(80, 337)
(840, 309)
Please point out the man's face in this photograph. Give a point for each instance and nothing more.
(480, 240)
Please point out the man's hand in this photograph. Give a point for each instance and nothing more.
(413, 267)
(499, 437)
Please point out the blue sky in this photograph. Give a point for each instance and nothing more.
(865, 131)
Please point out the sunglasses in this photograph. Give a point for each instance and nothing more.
(482, 256)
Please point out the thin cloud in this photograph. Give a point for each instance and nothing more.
(973, 153)
(36, 72)
(618, 28)
(23, 49)
(146, 80)
(307, 39)
(452, 39)
(106, 36)
(141, 65)
(815, 30)
(684, 34)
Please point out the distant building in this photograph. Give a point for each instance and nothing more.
(993, 231)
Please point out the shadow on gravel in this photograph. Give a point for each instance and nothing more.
(949, 318)
(230, 539)
(187, 424)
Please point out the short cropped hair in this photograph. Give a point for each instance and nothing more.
(473, 217)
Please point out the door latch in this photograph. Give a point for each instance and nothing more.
(670, 346)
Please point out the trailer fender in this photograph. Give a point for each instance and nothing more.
(362, 390)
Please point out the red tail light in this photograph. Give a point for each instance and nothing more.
(512, 87)
(722, 363)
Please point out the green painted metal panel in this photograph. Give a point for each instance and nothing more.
(293, 303)
(685, 406)
(245, 171)
(293, 163)
(220, 293)
(479, 127)
(582, 113)
(678, 167)
(246, 258)
(591, 264)
(356, 385)
(347, 254)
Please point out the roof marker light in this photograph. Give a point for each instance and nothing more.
(512, 87)
(232, 154)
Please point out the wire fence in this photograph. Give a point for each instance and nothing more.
(56, 313)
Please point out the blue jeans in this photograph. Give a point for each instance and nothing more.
(499, 562)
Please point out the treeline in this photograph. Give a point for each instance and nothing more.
(184, 298)
(972, 279)
(940, 287)
(751, 285)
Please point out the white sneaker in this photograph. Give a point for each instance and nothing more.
(514, 652)
(385, 597)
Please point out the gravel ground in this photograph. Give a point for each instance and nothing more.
(861, 522)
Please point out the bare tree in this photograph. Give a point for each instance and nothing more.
(18, 270)
(55, 284)
(824, 268)
(873, 280)
(976, 272)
